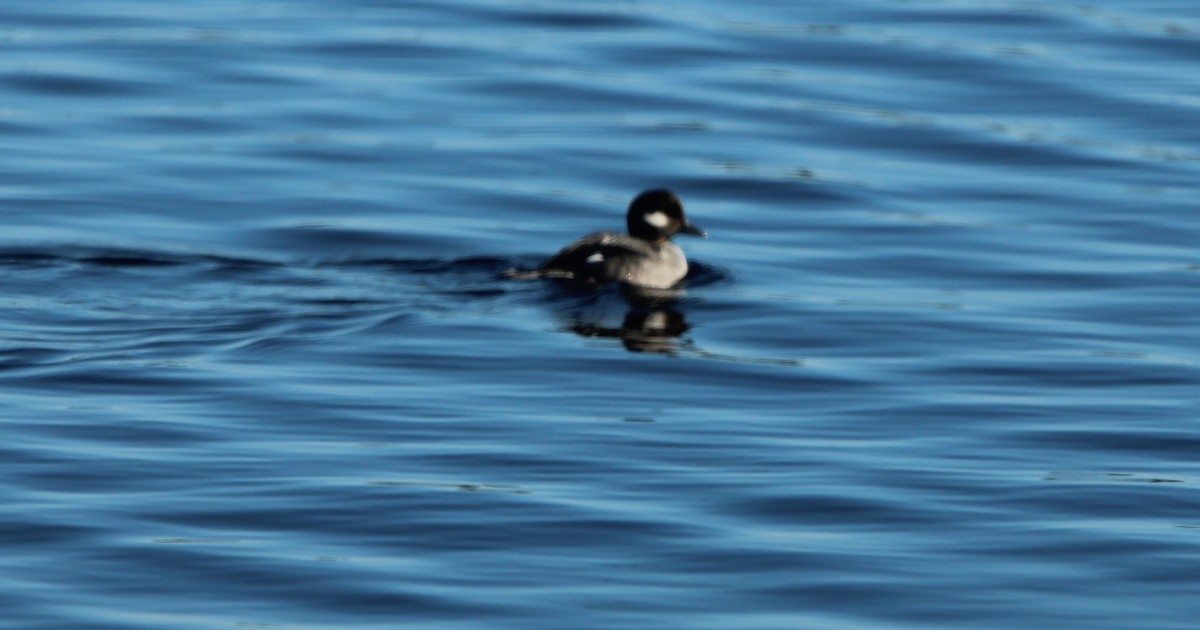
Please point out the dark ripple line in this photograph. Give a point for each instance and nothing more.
(121, 258)
(67, 85)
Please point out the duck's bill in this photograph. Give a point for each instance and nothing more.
(688, 228)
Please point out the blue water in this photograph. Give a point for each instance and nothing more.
(937, 366)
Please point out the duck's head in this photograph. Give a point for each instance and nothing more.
(657, 215)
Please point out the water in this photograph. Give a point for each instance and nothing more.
(936, 366)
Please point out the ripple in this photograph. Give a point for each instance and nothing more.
(68, 85)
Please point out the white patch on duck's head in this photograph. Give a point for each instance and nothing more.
(595, 257)
(658, 219)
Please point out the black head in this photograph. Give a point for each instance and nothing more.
(657, 215)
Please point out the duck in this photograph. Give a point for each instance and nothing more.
(645, 257)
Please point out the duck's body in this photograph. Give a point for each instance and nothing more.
(611, 257)
(645, 257)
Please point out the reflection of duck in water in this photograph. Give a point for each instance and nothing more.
(645, 257)
(649, 328)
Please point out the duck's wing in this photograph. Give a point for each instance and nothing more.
(599, 257)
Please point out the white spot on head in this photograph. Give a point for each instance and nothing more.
(658, 219)
(594, 258)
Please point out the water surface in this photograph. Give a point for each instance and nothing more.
(936, 366)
